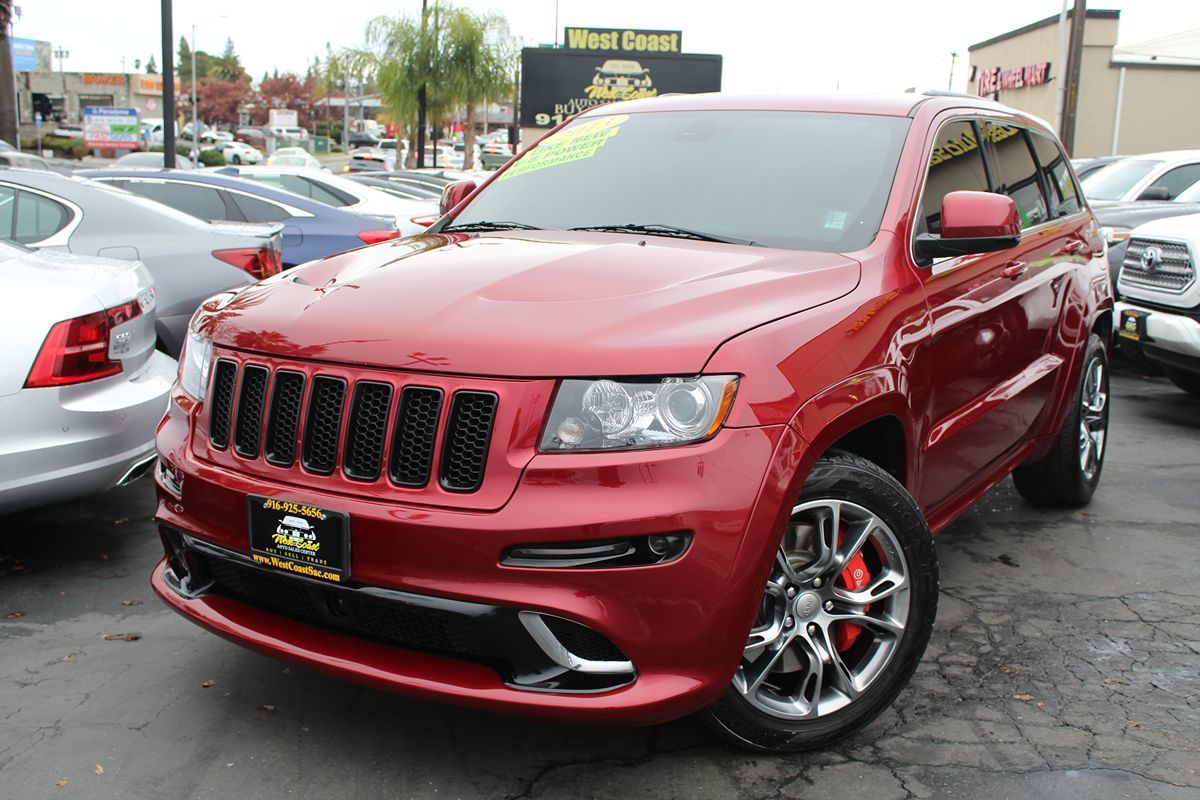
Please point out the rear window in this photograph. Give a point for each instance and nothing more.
(201, 202)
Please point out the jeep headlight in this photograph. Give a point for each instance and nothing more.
(613, 414)
(194, 363)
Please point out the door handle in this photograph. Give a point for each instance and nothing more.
(1072, 247)
(1014, 269)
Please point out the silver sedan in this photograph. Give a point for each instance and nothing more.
(82, 387)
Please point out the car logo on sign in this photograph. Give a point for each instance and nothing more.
(1151, 258)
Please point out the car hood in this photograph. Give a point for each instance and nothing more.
(1188, 225)
(531, 305)
(1130, 215)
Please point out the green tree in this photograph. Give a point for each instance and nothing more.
(479, 59)
(151, 67)
(228, 67)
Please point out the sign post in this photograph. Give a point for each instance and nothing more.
(110, 128)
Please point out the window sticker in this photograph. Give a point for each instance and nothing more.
(570, 144)
(836, 220)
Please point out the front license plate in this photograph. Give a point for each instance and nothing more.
(299, 539)
(1133, 325)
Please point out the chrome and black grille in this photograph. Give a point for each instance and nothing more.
(327, 423)
(1157, 264)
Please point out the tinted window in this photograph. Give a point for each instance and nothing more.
(8, 207)
(692, 170)
(255, 210)
(304, 187)
(955, 164)
(37, 218)
(1178, 179)
(201, 202)
(1190, 194)
(1014, 172)
(1063, 194)
(1113, 181)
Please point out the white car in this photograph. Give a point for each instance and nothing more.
(81, 386)
(293, 157)
(1153, 176)
(341, 192)
(240, 153)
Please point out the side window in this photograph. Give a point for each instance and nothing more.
(255, 210)
(1014, 172)
(8, 208)
(1178, 179)
(37, 218)
(202, 202)
(1064, 196)
(955, 164)
(329, 195)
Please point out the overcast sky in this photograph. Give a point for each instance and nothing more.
(791, 45)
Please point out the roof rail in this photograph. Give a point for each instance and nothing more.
(944, 93)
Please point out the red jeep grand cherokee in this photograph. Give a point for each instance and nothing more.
(644, 427)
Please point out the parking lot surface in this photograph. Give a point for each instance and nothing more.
(1065, 662)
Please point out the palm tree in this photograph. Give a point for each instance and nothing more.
(8, 89)
(479, 56)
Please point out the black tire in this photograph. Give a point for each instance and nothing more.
(1059, 479)
(1188, 381)
(849, 479)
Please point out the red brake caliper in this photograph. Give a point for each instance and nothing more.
(854, 577)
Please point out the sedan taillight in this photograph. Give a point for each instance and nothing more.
(374, 237)
(426, 220)
(76, 350)
(260, 262)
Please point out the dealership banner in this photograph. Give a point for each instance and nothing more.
(557, 83)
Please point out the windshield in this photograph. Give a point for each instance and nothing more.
(1115, 180)
(706, 171)
(1190, 194)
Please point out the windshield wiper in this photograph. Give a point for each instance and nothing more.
(491, 226)
(666, 230)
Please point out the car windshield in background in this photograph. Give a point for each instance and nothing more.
(704, 171)
(1113, 181)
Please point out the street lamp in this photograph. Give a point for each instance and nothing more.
(60, 53)
(195, 133)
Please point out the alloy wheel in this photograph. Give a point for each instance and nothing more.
(833, 613)
(1093, 418)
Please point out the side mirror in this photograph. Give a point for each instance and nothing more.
(972, 222)
(1155, 193)
(453, 194)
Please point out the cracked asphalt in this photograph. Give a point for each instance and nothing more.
(1065, 663)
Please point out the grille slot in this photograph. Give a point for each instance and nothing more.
(468, 433)
(1171, 271)
(222, 403)
(323, 424)
(416, 433)
(284, 420)
(248, 435)
(582, 641)
(366, 430)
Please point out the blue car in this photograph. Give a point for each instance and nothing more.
(311, 230)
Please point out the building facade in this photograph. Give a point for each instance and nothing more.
(60, 97)
(1132, 99)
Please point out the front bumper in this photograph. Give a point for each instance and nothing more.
(681, 624)
(1173, 339)
(60, 443)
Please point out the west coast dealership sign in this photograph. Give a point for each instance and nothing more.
(623, 40)
(557, 83)
(995, 79)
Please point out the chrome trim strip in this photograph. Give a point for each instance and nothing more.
(552, 647)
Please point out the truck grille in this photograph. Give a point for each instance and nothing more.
(1156, 264)
(332, 423)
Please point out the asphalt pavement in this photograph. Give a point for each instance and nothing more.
(1065, 663)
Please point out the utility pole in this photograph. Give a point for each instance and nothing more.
(421, 95)
(1074, 60)
(195, 133)
(168, 73)
(345, 110)
(950, 82)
